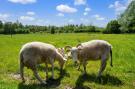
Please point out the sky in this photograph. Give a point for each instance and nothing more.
(62, 12)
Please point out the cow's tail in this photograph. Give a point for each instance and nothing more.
(111, 57)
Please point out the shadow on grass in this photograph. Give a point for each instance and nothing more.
(42, 68)
(51, 83)
(104, 80)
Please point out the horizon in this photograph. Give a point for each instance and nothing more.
(64, 12)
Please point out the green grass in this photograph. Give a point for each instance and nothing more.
(122, 75)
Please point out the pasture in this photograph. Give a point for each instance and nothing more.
(121, 75)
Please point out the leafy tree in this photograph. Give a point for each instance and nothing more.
(52, 30)
(113, 27)
(127, 19)
(1, 25)
(17, 27)
(9, 28)
(91, 28)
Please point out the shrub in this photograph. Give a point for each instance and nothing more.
(113, 27)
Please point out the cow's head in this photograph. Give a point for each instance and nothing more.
(73, 52)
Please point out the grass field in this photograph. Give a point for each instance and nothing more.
(121, 75)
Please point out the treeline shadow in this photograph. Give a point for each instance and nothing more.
(51, 83)
(104, 80)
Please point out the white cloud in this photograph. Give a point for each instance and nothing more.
(4, 16)
(27, 18)
(129, 1)
(85, 13)
(41, 22)
(80, 2)
(70, 20)
(37, 21)
(23, 1)
(87, 9)
(118, 7)
(111, 6)
(30, 13)
(60, 14)
(84, 20)
(66, 9)
(98, 17)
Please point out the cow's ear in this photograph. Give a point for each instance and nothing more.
(79, 45)
(79, 48)
(67, 48)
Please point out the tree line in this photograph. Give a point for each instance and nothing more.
(19, 28)
(124, 24)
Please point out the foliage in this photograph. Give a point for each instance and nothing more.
(18, 28)
(124, 24)
(127, 19)
(52, 29)
(21, 31)
(9, 28)
(113, 27)
(1, 25)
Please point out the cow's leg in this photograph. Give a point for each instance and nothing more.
(22, 71)
(79, 66)
(102, 67)
(37, 75)
(84, 66)
(52, 63)
(46, 70)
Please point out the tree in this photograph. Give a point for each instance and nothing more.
(52, 29)
(91, 28)
(113, 27)
(9, 28)
(1, 25)
(127, 19)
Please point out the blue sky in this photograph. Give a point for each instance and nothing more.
(62, 12)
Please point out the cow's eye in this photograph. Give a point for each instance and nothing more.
(71, 52)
